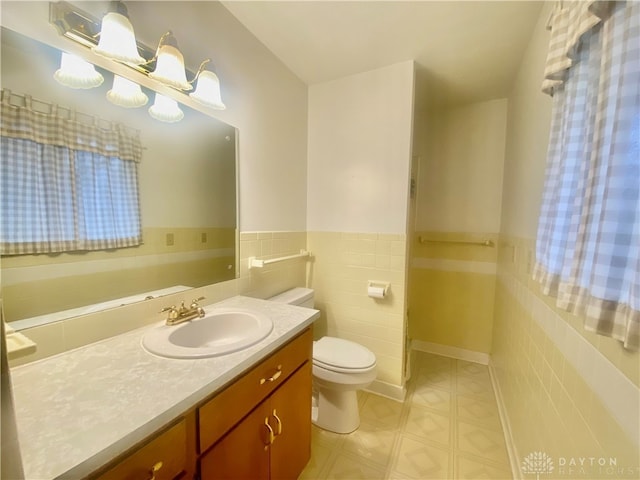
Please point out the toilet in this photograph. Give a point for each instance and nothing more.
(340, 368)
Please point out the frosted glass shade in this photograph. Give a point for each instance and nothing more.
(165, 109)
(117, 40)
(170, 68)
(126, 93)
(74, 72)
(208, 91)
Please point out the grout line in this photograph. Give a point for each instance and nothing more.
(606, 381)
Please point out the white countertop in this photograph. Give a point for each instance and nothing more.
(78, 410)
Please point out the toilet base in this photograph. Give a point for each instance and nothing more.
(336, 411)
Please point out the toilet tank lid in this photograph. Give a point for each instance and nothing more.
(295, 296)
(342, 353)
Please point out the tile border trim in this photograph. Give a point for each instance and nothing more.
(448, 265)
(31, 273)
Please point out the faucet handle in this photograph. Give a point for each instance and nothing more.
(198, 308)
(173, 313)
(194, 302)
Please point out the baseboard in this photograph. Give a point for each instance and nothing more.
(394, 392)
(514, 458)
(449, 351)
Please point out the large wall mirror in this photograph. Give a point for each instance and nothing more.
(187, 182)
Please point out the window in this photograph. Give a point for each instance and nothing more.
(588, 243)
(66, 185)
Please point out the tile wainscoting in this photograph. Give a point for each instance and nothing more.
(342, 264)
(64, 335)
(451, 292)
(563, 391)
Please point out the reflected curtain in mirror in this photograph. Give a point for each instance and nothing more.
(66, 185)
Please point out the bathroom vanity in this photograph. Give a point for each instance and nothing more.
(111, 410)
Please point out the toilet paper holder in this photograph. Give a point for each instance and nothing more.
(377, 288)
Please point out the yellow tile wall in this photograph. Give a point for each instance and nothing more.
(451, 308)
(154, 243)
(26, 300)
(277, 277)
(341, 267)
(549, 404)
(42, 295)
(64, 335)
(451, 294)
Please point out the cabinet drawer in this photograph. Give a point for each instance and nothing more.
(227, 408)
(170, 448)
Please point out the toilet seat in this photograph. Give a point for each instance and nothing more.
(344, 356)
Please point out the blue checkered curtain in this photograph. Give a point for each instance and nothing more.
(66, 185)
(588, 242)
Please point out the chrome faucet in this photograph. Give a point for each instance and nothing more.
(183, 313)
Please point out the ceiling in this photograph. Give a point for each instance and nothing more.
(464, 50)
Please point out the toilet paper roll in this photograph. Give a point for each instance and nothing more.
(375, 292)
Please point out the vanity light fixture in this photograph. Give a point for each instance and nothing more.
(117, 42)
(165, 109)
(170, 64)
(126, 93)
(170, 71)
(208, 90)
(74, 72)
(117, 39)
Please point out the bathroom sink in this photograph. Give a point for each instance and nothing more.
(220, 331)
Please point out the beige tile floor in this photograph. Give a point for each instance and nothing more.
(447, 428)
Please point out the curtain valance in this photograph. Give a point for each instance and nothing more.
(568, 23)
(23, 122)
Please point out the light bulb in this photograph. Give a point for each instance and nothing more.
(75, 72)
(165, 109)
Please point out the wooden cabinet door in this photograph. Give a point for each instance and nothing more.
(218, 415)
(163, 458)
(241, 454)
(290, 418)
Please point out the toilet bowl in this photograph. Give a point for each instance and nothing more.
(340, 368)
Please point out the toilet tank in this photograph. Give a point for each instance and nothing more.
(303, 297)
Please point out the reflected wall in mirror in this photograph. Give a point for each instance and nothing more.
(188, 202)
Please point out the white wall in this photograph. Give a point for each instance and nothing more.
(360, 150)
(265, 101)
(460, 181)
(527, 140)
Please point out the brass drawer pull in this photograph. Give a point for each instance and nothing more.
(154, 470)
(278, 422)
(271, 437)
(273, 377)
